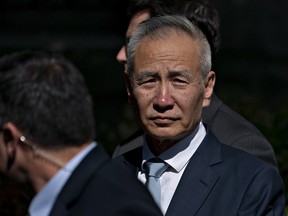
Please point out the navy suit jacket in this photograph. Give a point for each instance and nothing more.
(228, 126)
(220, 180)
(98, 187)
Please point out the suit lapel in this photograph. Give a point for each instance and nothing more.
(198, 179)
(78, 180)
(133, 159)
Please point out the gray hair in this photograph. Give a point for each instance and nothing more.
(161, 27)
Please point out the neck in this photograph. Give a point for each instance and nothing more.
(157, 146)
(41, 175)
(49, 162)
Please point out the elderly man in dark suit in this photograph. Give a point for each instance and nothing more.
(186, 169)
(227, 125)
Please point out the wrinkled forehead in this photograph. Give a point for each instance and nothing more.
(171, 34)
(176, 47)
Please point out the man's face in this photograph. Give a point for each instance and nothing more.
(134, 22)
(167, 87)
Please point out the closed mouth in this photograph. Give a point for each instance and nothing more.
(163, 120)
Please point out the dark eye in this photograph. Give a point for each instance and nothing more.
(179, 81)
(148, 83)
(152, 80)
(145, 79)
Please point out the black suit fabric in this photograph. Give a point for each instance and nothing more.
(220, 180)
(98, 187)
(228, 126)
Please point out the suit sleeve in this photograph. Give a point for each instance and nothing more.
(258, 146)
(264, 195)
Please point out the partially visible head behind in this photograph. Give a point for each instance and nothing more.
(205, 17)
(155, 7)
(46, 98)
(200, 12)
(163, 27)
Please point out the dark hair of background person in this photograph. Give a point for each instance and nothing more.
(200, 12)
(40, 94)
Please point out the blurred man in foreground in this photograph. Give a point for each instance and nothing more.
(46, 138)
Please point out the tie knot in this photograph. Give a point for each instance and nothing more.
(155, 167)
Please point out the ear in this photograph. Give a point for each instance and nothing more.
(127, 80)
(11, 138)
(209, 86)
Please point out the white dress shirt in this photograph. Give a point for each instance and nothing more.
(43, 202)
(177, 157)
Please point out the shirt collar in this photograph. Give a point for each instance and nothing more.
(178, 155)
(44, 200)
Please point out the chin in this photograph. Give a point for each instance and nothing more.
(164, 135)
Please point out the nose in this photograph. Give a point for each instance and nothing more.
(121, 55)
(164, 100)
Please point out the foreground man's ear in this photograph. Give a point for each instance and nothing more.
(11, 138)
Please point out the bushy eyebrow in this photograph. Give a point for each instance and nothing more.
(183, 73)
(144, 75)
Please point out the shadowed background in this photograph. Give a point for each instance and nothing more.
(251, 66)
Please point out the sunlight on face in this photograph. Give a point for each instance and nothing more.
(167, 86)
